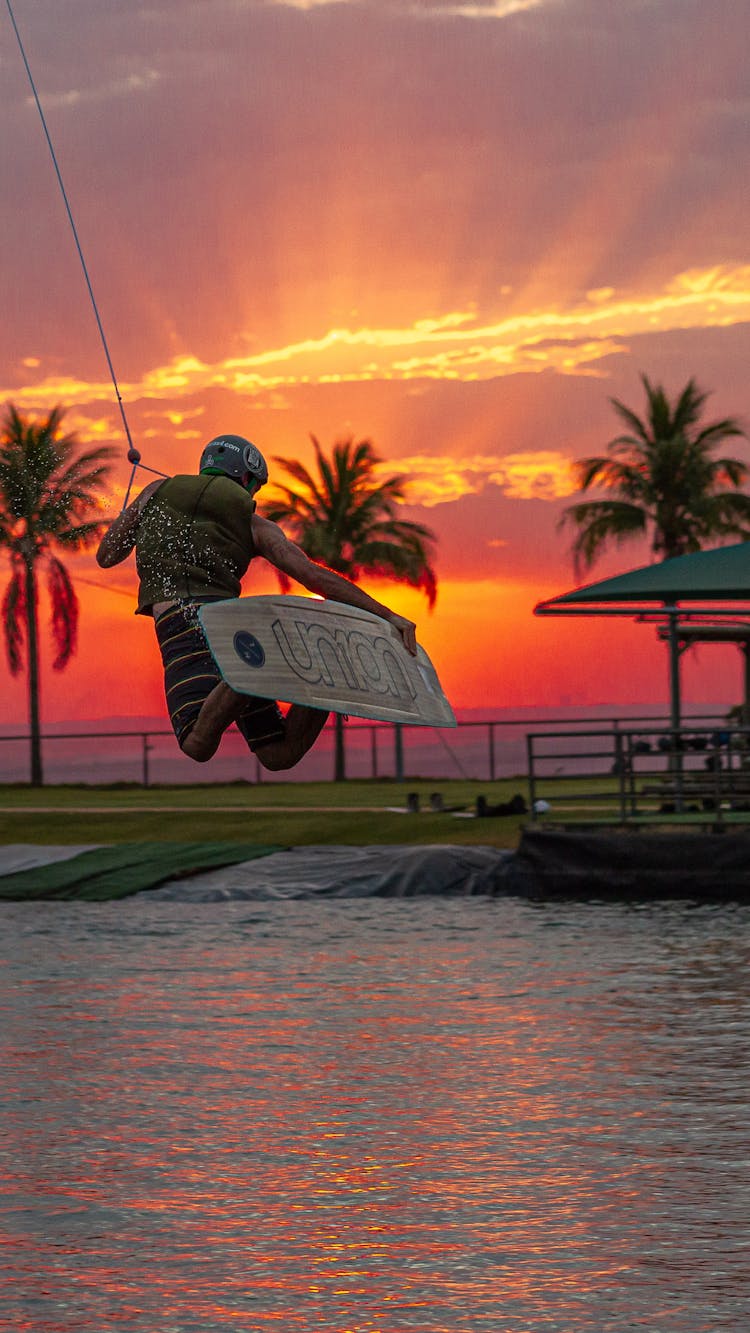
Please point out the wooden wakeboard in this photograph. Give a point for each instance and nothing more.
(324, 654)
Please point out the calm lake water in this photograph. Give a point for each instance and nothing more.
(374, 1115)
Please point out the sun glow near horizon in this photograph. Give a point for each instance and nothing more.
(453, 227)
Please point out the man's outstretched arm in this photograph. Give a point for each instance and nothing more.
(119, 539)
(275, 546)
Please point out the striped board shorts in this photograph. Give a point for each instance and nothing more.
(190, 674)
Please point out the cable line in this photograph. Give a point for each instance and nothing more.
(134, 456)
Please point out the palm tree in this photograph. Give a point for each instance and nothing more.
(663, 481)
(46, 493)
(345, 518)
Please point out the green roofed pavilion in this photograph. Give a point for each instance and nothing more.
(674, 592)
(719, 575)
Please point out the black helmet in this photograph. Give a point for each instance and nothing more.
(235, 457)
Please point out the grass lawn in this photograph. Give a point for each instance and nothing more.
(288, 814)
(296, 814)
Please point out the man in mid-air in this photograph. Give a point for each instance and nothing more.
(194, 537)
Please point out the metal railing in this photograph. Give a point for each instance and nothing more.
(483, 750)
(638, 774)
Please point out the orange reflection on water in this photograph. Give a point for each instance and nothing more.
(389, 1137)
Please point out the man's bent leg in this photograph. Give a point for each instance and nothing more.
(201, 706)
(219, 710)
(302, 727)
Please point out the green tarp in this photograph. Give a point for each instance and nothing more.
(122, 869)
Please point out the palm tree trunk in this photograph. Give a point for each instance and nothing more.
(32, 643)
(339, 763)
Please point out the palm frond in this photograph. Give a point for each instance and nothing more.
(727, 516)
(599, 522)
(345, 517)
(82, 535)
(610, 474)
(401, 564)
(64, 618)
(717, 431)
(730, 471)
(14, 616)
(282, 579)
(298, 473)
(688, 408)
(638, 430)
(330, 488)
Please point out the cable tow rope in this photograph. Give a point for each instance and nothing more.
(134, 456)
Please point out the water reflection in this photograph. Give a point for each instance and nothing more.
(384, 1116)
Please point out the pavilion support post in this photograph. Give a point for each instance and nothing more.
(398, 737)
(675, 705)
(675, 701)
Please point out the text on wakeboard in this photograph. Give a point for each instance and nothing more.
(342, 657)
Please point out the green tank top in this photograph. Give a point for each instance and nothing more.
(194, 540)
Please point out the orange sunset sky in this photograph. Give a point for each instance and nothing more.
(454, 228)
